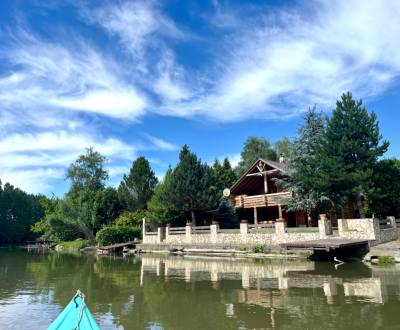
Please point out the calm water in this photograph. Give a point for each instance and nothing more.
(197, 293)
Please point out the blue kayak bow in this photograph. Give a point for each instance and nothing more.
(76, 316)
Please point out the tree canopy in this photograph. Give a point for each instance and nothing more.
(136, 188)
(253, 149)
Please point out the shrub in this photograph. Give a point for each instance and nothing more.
(260, 249)
(62, 230)
(130, 219)
(386, 260)
(117, 234)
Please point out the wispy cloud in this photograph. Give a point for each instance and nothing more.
(161, 144)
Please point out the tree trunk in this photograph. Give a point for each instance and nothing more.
(193, 218)
(360, 206)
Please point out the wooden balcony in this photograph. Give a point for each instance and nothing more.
(261, 200)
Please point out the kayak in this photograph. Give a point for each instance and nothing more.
(76, 316)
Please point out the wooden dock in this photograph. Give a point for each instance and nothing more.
(328, 244)
(119, 246)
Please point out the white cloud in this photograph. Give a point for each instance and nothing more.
(161, 144)
(286, 61)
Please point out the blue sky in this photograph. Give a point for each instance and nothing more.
(135, 78)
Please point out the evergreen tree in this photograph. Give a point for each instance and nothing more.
(226, 214)
(189, 184)
(302, 165)
(384, 199)
(253, 149)
(136, 189)
(107, 207)
(350, 151)
(223, 176)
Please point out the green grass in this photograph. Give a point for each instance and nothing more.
(73, 245)
(260, 249)
(305, 254)
(386, 260)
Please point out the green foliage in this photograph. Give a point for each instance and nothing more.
(226, 214)
(350, 151)
(72, 245)
(137, 188)
(61, 230)
(107, 207)
(386, 260)
(302, 165)
(260, 249)
(18, 212)
(187, 190)
(253, 149)
(130, 219)
(87, 176)
(113, 234)
(282, 147)
(384, 198)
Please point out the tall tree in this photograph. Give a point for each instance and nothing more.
(303, 162)
(106, 207)
(224, 176)
(136, 189)
(189, 184)
(18, 212)
(87, 176)
(253, 149)
(384, 198)
(351, 148)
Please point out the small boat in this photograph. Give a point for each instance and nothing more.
(75, 316)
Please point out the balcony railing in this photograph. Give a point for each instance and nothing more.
(261, 200)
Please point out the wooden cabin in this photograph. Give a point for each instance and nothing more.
(258, 199)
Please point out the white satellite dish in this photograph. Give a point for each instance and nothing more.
(227, 192)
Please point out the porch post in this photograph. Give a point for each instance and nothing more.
(265, 183)
(255, 217)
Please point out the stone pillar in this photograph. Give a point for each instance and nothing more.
(214, 233)
(324, 226)
(244, 230)
(143, 228)
(280, 228)
(188, 233)
(393, 222)
(167, 232)
(160, 235)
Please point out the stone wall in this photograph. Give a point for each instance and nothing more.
(356, 229)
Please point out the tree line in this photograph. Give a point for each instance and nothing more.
(331, 161)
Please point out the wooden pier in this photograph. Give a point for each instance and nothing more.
(329, 244)
(111, 248)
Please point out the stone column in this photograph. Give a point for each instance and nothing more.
(244, 230)
(188, 233)
(393, 222)
(143, 228)
(280, 228)
(160, 235)
(214, 233)
(167, 232)
(324, 226)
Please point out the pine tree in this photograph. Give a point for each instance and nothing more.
(189, 184)
(350, 151)
(226, 214)
(303, 163)
(136, 188)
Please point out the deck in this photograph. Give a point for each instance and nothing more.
(116, 246)
(324, 244)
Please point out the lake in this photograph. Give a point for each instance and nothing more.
(163, 292)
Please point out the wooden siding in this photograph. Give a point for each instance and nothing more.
(260, 200)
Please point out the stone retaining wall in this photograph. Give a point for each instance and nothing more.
(357, 229)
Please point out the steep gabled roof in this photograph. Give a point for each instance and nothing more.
(281, 167)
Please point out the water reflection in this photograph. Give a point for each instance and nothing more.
(160, 292)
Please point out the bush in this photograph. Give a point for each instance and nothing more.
(62, 230)
(113, 234)
(386, 260)
(130, 219)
